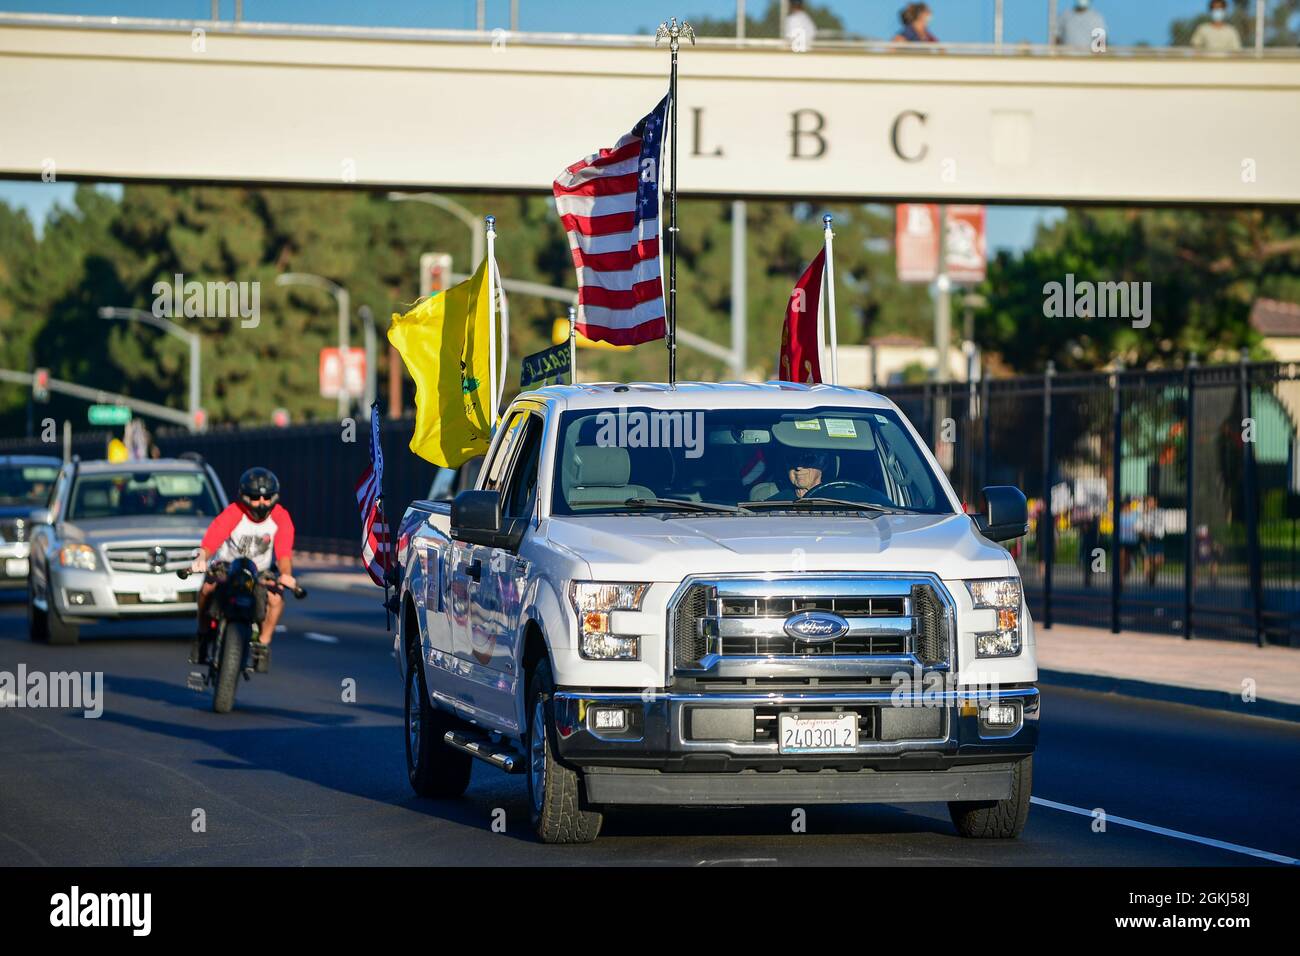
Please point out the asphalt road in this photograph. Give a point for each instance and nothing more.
(297, 776)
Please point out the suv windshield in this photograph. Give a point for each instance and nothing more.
(142, 493)
(26, 484)
(643, 459)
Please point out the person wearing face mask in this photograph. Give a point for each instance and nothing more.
(1217, 35)
(1081, 27)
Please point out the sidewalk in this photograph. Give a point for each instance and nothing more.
(1203, 673)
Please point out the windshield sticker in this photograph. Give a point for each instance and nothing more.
(811, 425)
(840, 428)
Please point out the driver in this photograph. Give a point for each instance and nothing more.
(258, 527)
(805, 468)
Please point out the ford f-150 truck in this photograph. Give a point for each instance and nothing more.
(718, 594)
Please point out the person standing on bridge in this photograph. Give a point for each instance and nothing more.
(1217, 35)
(1082, 27)
(799, 29)
(916, 24)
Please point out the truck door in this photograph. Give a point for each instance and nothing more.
(474, 600)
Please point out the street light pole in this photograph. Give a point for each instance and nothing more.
(345, 311)
(472, 222)
(171, 328)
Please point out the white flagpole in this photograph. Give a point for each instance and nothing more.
(491, 223)
(573, 346)
(828, 287)
(500, 291)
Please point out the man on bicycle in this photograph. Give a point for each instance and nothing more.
(258, 527)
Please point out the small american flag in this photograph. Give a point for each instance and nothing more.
(609, 205)
(376, 549)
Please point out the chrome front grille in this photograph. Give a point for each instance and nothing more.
(158, 559)
(13, 530)
(738, 627)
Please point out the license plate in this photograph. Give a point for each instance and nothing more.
(15, 567)
(818, 733)
(157, 595)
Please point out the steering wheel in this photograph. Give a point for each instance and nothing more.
(828, 489)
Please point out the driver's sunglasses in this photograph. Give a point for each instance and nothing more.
(250, 499)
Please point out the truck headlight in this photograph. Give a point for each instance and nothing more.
(77, 556)
(593, 602)
(1004, 597)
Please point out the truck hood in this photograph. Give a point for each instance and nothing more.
(648, 547)
(152, 529)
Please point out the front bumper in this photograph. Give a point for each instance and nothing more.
(87, 596)
(706, 748)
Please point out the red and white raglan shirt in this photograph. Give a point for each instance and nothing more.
(234, 534)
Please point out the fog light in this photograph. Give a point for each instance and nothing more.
(997, 644)
(80, 598)
(607, 718)
(999, 716)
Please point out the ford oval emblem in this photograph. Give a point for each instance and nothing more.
(816, 627)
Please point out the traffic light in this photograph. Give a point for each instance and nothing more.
(41, 385)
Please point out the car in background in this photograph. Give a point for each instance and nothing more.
(25, 485)
(108, 546)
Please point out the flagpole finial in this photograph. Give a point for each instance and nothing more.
(491, 223)
(826, 220)
(674, 33)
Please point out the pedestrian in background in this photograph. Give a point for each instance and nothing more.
(916, 25)
(799, 28)
(1082, 27)
(1217, 35)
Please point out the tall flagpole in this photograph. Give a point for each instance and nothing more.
(573, 346)
(673, 32)
(829, 280)
(491, 223)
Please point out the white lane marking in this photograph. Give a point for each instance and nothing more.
(280, 628)
(1176, 834)
(323, 638)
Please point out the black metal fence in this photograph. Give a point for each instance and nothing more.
(318, 466)
(1192, 528)
(1164, 501)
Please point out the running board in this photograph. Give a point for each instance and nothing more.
(485, 750)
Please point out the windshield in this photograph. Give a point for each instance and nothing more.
(142, 493)
(639, 459)
(26, 484)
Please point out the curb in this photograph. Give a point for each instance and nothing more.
(1173, 694)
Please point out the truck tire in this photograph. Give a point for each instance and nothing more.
(60, 633)
(233, 642)
(433, 768)
(997, 819)
(556, 802)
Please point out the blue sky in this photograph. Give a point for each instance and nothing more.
(1129, 21)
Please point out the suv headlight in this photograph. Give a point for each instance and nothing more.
(593, 602)
(1004, 597)
(77, 556)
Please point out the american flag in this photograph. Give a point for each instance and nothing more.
(376, 548)
(609, 205)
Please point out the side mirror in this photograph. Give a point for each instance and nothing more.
(476, 518)
(39, 516)
(1006, 513)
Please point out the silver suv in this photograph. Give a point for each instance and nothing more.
(111, 539)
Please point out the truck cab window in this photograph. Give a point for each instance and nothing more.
(500, 461)
(521, 493)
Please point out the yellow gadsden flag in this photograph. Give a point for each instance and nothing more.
(444, 342)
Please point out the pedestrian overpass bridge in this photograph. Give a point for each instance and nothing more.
(200, 101)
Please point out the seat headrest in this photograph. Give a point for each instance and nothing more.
(601, 467)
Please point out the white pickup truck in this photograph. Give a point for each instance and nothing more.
(718, 594)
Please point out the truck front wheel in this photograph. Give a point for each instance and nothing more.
(555, 796)
(997, 819)
(434, 769)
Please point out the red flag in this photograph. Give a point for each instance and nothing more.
(800, 359)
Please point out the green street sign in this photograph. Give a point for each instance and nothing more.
(108, 414)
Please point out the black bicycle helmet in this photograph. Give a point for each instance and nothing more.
(259, 483)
